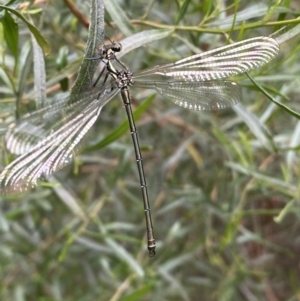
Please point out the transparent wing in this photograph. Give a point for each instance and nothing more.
(208, 95)
(56, 149)
(24, 134)
(31, 128)
(221, 62)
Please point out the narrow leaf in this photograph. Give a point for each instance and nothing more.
(40, 39)
(182, 11)
(286, 33)
(39, 74)
(95, 38)
(11, 33)
(142, 38)
(140, 293)
(259, 130)
(271, 181)
(119, 17)
(282, 106)
(121, 253)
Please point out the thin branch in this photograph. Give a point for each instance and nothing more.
(73, 8)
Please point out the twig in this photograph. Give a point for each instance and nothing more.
(73, 8)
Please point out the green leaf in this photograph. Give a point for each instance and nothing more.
(95, 38)
(139, 293)
(271, 181)
(39, 38)
(13, 3)
(11, 33)
(282, 106)
(123, 128)
(182, 11)
(119, 17)
(142, 38)
(39, 74)
(61, 63)
(286, 33)
(258, 129)
(24, 68)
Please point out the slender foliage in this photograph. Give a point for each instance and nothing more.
(224, 185)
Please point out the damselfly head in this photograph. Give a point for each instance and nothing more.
(107, 50)
(115, 47)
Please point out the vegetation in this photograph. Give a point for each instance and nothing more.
(223, 185)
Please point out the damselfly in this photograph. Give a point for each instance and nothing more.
(45, 139)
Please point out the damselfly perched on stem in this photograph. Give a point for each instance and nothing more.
(45, 139)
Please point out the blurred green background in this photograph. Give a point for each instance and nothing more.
(224, 185)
